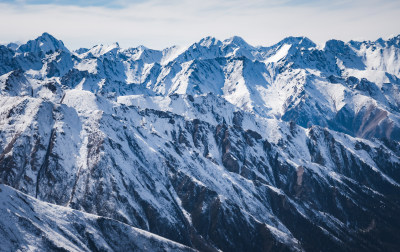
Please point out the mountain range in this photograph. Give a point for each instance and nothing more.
(218, 146)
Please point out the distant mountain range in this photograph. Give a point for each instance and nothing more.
(217, 146)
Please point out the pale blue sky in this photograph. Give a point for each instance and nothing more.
(158, 24)
(104, 3)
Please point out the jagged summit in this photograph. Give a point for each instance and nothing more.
(101, 49)
(300, 41)
(237, 41)
(13, 46)
(81, 50)
(47, 42)
(395, 40)
(208, 42)
(335, 45)
(44, 43)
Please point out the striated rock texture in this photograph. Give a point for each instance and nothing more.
(218, 146)
(28, 224)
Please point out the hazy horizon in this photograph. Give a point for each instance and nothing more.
(160, 24)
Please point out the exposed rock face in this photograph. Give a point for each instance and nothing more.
(223, 147)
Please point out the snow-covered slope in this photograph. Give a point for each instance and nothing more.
(218, 146)
(28, 224)
(339, 86)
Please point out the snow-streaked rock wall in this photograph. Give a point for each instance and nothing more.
(219, 146)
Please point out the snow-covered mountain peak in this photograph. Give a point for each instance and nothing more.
(237, 41)
(302, 42)
(44, 43)
(286, 48)
(144, 54)
(208, 42)
(238, 47)
(142, 48)
(207, 48)
(13, 46)
(101, 49)
(335, 45)
(171, 53)
(395, 40)
(81, 50)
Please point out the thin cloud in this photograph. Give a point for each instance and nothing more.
(159, 24)
(86, 3)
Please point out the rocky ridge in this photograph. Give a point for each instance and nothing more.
(218, 146)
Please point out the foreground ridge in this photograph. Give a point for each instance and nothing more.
(30, 224)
